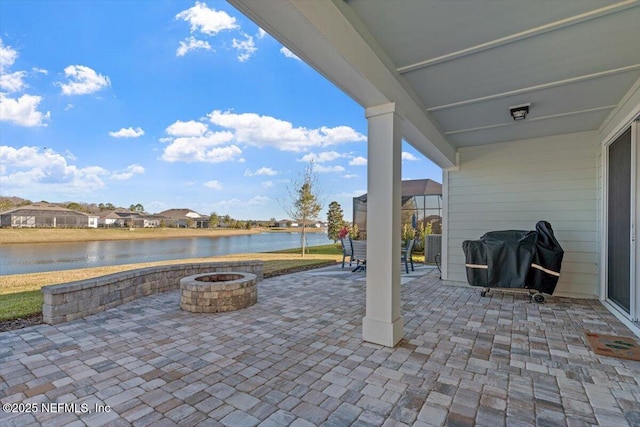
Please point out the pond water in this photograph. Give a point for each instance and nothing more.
(38, 257)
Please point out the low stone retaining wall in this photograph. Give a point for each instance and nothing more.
(75, 300)
(218, 292)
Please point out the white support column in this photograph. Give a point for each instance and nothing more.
(383, 323)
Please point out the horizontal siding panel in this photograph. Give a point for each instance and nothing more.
(513, 185)
(529, 215)
(525, 205)
(492, 176)
(567, 185)
(538, 194)
(524, 164)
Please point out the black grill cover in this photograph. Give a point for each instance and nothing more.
(515, 259)
(545, 269)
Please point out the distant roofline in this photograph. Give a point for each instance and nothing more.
(48, 207)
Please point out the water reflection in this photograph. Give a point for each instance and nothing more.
(37, 257)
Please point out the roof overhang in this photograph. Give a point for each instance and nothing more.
(453, 69)
(321, 34)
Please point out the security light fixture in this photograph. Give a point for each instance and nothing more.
(519, 112)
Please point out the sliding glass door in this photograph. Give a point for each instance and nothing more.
(619, 222)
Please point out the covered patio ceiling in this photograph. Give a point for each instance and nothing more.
(455, 67)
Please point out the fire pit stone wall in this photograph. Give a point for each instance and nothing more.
(218, 292)
(75, 300)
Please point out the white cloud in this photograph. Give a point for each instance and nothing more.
(325, 156)
(190, 128)
(83, 81)
(10, 81)
(128, 133)
(341, 134)
(286, 52)
(200, 148)
(267, 184)
(264, 171)
(195, 143)
(349, 176)
(68, 107)
(409, 156)
(207, 21)
(128, 172)
(29, 168)
(266, 131)
(213, 184)
(8, 56)
(191, 44)
(69, 155)
(183, 150)
(327, 169)
(13, 82)
(22, 111)
(358, 161)
(245, 47)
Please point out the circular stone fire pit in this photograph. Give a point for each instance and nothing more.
(218, 292)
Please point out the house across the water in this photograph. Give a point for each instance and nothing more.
(184, 218)
(46, 215)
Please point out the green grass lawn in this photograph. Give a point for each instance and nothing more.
(21, 304)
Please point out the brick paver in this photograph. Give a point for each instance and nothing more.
(297, 358)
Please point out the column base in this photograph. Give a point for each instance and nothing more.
(383, 333)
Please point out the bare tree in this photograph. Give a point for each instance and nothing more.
(303, 203)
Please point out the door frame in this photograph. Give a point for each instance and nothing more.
(630, 319)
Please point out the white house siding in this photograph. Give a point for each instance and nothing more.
(515, 184)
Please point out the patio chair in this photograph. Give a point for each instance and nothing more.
(347, 250)
(360, 255)
(407, 255)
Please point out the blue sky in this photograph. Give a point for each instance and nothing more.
(170, 104)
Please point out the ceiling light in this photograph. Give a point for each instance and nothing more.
(519, 112)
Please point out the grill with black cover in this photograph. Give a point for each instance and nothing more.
(515, 259)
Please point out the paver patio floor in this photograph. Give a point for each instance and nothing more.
(297, 358)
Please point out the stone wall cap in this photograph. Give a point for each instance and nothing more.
(123, 275)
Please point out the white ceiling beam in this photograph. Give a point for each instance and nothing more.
(340, 48)
(573, 20)
(529, 89)
(535, 119)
